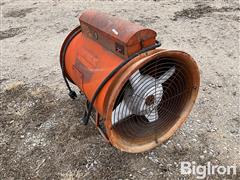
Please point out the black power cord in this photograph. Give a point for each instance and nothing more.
(87, 114)
(69, 38)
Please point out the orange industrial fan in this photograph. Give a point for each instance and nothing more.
(141, 93)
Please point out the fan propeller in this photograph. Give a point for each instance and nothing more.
(143, 97)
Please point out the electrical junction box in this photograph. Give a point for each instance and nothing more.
(117, 35)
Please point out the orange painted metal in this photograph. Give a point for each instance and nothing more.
(88, 63)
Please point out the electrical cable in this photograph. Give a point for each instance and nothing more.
(66, 43)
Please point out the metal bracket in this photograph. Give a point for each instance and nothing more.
(95, 121)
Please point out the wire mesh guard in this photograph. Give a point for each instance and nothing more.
(152, 100)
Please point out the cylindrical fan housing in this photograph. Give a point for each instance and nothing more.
(104, 43)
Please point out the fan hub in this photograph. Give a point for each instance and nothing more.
(150, 100)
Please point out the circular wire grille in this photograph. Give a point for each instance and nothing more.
(135, 127)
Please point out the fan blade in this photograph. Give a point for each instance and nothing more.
(141, 82)
(120, 112)
(143, 86)
(153, 116)
(166, 75)
(135, 79)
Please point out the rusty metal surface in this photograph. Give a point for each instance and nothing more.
(117, 35)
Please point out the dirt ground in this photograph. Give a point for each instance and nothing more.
(40, 133)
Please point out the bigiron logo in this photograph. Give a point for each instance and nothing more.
(201, 172)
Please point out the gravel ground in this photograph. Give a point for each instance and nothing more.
(40, 133)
